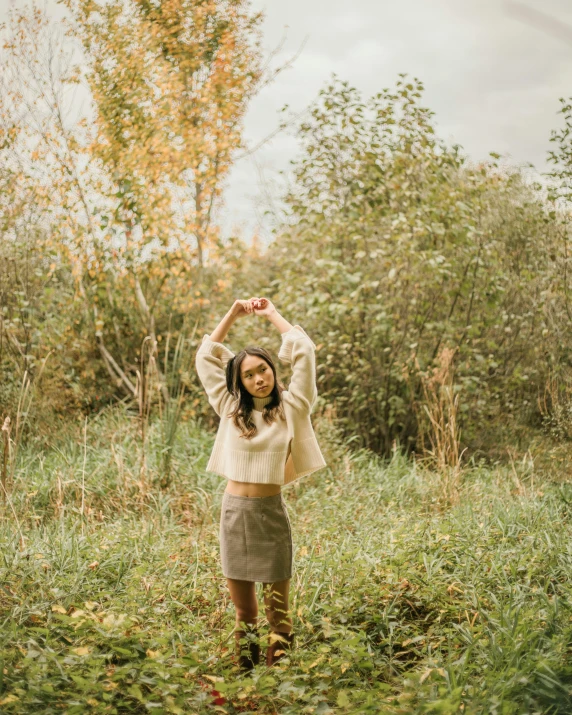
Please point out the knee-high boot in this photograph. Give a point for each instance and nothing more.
(279, 644)
(247, 648)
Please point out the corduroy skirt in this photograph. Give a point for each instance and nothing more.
(255, 538)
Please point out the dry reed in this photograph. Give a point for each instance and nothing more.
(441, 407)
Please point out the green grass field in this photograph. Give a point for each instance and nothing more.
(112, 599)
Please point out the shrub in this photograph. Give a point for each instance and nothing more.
(407, 249)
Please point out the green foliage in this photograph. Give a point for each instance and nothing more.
(40, 326)
(407, 249)
(561, 155)
(400, 604)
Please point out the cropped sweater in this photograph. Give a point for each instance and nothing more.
(280, 452)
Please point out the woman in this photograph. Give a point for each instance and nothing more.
(264, 440)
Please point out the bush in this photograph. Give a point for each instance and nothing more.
(408, 249)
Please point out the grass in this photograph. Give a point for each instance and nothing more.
(113, 601)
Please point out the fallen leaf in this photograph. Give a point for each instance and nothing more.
(425, 675)
(9, 699)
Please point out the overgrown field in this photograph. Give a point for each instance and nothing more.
(112, 599)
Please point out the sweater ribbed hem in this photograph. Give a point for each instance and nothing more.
(297, 475)
(245, 466)
(288, 340)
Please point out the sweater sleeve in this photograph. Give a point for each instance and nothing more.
(210, 362)
(297, 350)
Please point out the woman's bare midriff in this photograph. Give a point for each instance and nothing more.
(249, 489)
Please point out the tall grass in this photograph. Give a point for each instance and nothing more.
(163, 390)
(402, 602)
(170, 411)
(441, 408)
(13, 426)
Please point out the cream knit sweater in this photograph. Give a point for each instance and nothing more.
(278, 453)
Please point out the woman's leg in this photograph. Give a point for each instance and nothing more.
(247, 649)
(243, 595)
(276, 603)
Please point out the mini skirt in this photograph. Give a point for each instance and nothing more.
(255, 538)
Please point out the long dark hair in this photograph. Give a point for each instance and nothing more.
(242, 413)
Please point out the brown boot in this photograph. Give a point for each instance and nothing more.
(247, 648)
(279, 644)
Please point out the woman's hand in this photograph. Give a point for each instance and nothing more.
(241, 308)
(262, 306)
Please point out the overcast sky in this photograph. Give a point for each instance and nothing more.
(492, 79)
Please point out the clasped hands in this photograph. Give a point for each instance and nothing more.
(258, 306)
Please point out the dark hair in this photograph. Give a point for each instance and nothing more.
(242, 413)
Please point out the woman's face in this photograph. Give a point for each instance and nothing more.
(257, 376)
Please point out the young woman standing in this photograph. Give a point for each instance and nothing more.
(265, 439)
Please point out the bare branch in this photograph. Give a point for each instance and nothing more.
(115, 371)
(262, 142)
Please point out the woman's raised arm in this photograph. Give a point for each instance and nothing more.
(239, 309)
(297, 350)
(212, 358)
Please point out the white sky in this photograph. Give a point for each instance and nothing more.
(492, 79)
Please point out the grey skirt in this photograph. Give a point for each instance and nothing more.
(255, 538)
